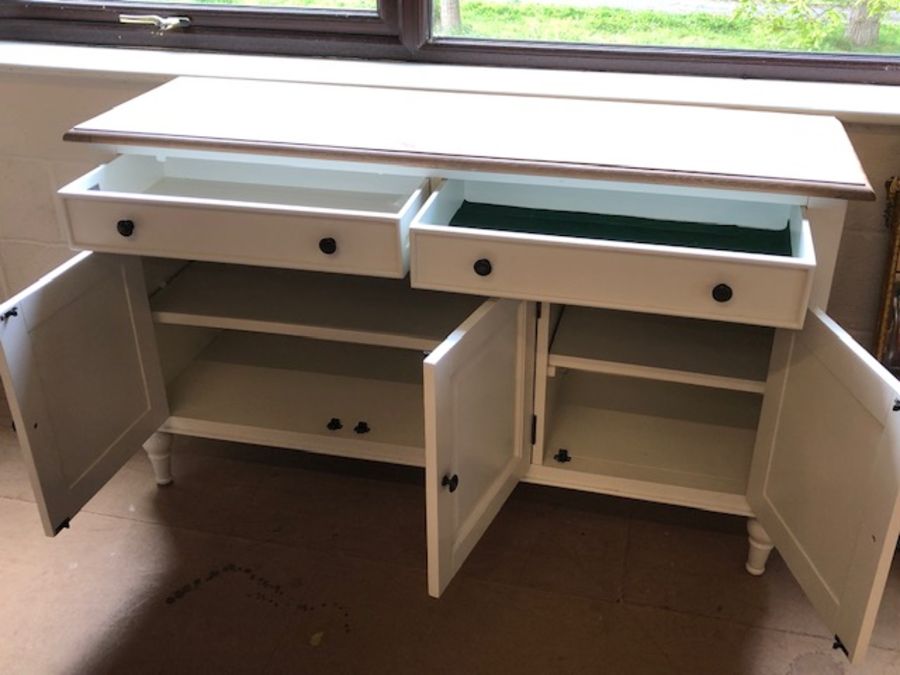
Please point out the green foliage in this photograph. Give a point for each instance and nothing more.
(811, 23)
(522, 20)
(814, 24)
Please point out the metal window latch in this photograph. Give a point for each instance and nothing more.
(163, 24)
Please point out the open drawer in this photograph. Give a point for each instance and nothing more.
(718, 258)
(258, 214)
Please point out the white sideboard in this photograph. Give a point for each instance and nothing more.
(325, 293)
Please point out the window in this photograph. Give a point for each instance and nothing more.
(832, 40)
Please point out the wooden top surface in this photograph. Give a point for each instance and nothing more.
(576, 138)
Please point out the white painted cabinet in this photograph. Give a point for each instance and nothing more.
(82, 377)
(678, 369)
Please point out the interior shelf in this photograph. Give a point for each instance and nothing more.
(666, 442)
(673, 349)
(284, 391)
(363, 310)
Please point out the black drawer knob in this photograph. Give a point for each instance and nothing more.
(482, 267)
(328, 245)
(451, 482)
(722, 293)
(125, 227)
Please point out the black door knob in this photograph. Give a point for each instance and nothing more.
(451, 482)
(722, 293)
(327, 245)
(125, 227)
(482, 267)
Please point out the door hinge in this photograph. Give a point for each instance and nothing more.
(13, 311)
(533, 429)
(539, 305)
(840, 645)
(64, 525)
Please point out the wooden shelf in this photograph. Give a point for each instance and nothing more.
(672, 349)
(355, 309)
(666, 442)
(282, 391)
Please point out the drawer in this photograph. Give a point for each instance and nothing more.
(499, 256)
(258, 214)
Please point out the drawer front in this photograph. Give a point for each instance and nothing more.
(361, 247)
(132, 206)
(612, 276)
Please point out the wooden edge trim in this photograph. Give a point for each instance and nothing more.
(857, 191)
(892, 218)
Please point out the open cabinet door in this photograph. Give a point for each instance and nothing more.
(478, 407)
(825, 480)
(81, 373)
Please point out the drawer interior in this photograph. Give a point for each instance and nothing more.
(260, 184)
(759, 227)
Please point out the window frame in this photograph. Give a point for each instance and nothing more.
(401, 30)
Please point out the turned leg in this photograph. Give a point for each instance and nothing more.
(760, 547)
(158, 449)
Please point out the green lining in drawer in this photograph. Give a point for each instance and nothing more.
(623, 228)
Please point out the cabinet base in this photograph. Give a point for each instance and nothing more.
(159, 449)
(760, 548)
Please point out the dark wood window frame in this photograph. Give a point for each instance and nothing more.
(401, 30)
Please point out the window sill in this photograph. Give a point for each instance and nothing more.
(869, 104)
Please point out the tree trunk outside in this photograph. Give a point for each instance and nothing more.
(451, 21)
(862, 28)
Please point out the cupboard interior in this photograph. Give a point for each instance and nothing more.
(767, 228)
(665, 402)
(317, 362)
(263, 185)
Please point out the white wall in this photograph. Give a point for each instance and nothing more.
(37, 108)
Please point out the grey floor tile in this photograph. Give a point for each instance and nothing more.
(704, 646)
(702, 572)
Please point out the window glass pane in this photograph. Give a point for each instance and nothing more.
(370, 5)
(835, 26)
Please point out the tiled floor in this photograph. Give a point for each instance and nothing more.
(265, 561)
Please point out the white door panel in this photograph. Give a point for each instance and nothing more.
(478, 402)
(825, 481)
(81, 373)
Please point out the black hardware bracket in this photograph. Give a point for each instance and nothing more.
(562, 456)
(896, 406)
(362, 427)
(14, 311)
(840, 645)
(64, 525)
(334, 424)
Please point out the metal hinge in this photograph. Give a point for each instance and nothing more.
(533, 429)
(64, 525)
(162, 24)
(840, 645)
(13, 311)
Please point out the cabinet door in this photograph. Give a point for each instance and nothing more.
(81, 373)
(825, 481)
(478, 407)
